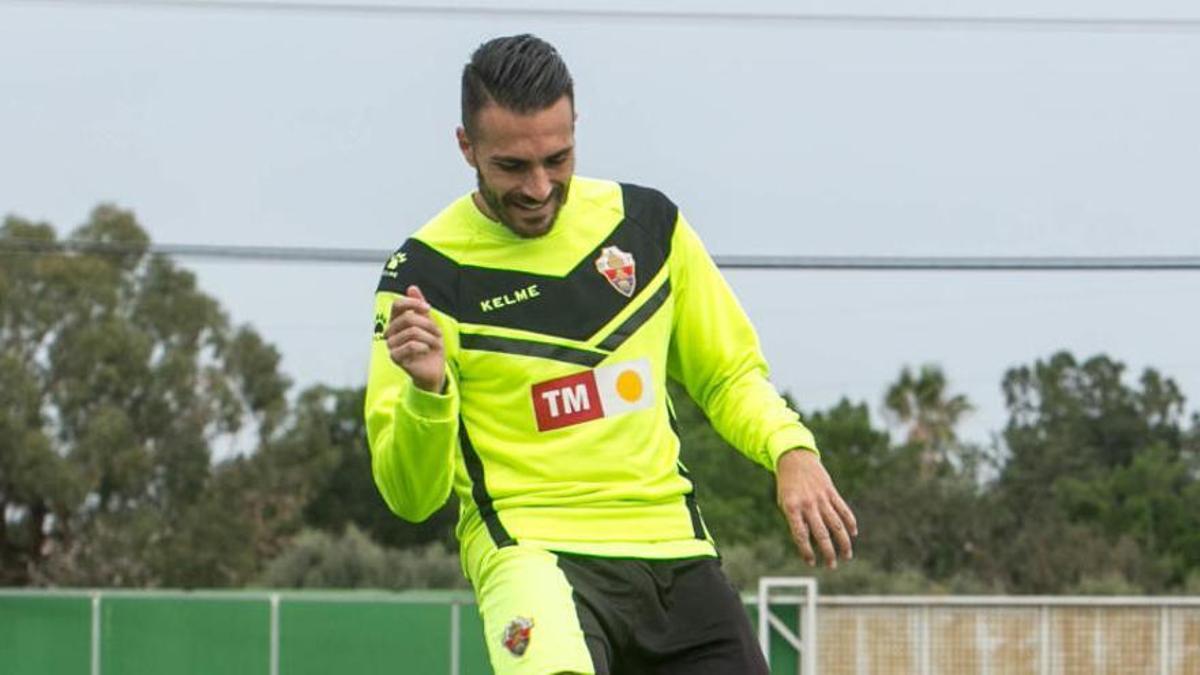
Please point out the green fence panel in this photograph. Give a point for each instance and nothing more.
(203, 633)
(323, 636)
(473, 650)
(42, 634)
(784, 658)
(186, 635)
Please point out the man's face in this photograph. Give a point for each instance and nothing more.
(524, 164)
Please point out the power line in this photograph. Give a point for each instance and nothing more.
(963, 263)
(899, 20)
(364, 256)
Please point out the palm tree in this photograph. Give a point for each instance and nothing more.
(920, 403)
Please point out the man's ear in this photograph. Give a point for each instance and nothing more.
(464, 146)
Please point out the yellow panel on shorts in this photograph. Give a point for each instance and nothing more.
(529, 618)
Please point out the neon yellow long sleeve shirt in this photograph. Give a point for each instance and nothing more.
(555, 429)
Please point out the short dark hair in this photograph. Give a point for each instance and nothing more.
(521, 73)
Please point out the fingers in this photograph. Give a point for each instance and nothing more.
(839, 532)
(412, 301)
(413, 341)
(820, 535)
(846, 514)
(409, 350)
(412, 332)
(800, 536)
(822, 525)
(413, 320)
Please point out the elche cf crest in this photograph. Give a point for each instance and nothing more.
(618, 267)
(517, 635)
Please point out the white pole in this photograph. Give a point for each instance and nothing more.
(764, 624)
(1044, 638)
(810, 629)
(95, 632)
(1164, 641)
(926, 648)
(274, 634)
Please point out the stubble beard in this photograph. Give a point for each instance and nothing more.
(500, 207)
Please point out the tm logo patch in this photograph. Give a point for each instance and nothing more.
(604, 392)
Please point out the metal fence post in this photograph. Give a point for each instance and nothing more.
(1044, 639)
(274, 667)
(926, 648)
(95, 632)
(805, 644)
(810, 628)
(1164, 640)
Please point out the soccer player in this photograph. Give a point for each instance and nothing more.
(523, 339)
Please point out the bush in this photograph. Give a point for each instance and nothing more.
(746, 563)
(317, 559)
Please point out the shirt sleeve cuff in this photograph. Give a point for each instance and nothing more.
(790, 438)
(432, 406)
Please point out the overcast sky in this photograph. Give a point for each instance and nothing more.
(776, 137)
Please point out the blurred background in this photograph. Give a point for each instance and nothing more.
(180, 411)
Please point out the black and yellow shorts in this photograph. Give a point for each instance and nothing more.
(546, 613)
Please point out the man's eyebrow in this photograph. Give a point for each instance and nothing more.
(522, 160)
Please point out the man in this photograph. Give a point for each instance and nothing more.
(523, 341)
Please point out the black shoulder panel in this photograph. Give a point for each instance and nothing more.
(651, 210)
(577, 305)
(417, 264)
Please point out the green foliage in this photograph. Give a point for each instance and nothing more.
(348, 494)
(746, 563)
(1093, 491)
(1100, 478)
(856, 451)
(920, 402)
(117, 378)
(318, 559)
(734, 493)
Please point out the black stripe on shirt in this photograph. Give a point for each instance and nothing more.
(580, 303)
(479, 493)
(690, 498)
(635, 321)
(542, 350)
(418, 264)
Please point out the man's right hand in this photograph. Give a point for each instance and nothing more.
(415, 342)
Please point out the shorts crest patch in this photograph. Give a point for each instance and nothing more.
(517, 635)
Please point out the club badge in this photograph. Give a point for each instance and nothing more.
(617, 266)
(516, 635)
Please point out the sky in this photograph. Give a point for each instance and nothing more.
(781, 137)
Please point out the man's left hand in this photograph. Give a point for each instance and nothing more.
(814, 510)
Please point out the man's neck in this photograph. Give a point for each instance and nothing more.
(482, 205)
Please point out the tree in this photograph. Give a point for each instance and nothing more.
(117, 377)
(920, 402)
(1100, 478)
(735, 495)
(348, 494)
(854, 452)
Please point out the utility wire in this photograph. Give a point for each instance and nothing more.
(364, 256)
(883, 20)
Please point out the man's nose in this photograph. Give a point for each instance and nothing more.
(538, 185)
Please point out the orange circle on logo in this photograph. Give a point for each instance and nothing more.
(629, 386)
